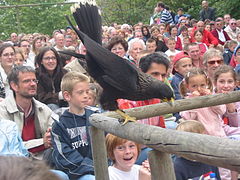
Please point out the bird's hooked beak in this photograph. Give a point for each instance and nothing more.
(169, 101)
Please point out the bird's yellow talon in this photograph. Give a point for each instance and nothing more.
(126, 117)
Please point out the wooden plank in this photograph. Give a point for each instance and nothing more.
(179, 105)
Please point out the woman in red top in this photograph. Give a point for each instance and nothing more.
(173, 33)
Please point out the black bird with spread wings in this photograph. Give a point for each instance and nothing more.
(118, 77)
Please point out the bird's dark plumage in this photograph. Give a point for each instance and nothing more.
(118, 77)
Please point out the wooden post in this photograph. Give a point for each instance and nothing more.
(161, 166)
(99, 152)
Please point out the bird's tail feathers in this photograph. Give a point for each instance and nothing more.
(88, 19)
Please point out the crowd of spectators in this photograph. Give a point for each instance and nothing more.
(174, 48)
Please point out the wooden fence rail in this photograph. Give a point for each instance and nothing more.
(221, 152)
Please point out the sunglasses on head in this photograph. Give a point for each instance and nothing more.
(214, 62)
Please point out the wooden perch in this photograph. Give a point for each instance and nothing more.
(179, 105)
(221, 152)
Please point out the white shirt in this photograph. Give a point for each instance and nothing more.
(116, 174)
(221, 36)
(170, 53)
(5, 80)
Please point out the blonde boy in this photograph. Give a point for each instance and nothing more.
(186, 169)
(171, 52)
(151, 45)
(70, 134)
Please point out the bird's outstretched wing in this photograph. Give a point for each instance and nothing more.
(71, 53)
(102, 63)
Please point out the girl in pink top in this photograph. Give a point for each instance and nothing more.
(225, 81)
(196, 83)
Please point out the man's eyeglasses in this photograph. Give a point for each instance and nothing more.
(9, 54)
(233, 23)
(214, 62)
(27, 81)
(48, 58)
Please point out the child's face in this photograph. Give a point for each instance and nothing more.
(125, 155)
(171, 45)
(238, 38)
(225, 83)
(198, 37)
(232, 47)
(184, 33)
(151, 46)
(237, 57)
(155, 33)
(208, 27)
(197, 83)
(183, 66)
(91, 99)
(19, 60)
(174, 32)
(79, 97)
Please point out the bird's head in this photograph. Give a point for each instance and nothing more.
(161, 90)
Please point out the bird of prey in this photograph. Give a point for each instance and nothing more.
(118, 77)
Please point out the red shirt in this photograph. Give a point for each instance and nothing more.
(207, 38)
(29, 132)
(155, 121)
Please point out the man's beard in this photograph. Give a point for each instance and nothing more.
(28, 96)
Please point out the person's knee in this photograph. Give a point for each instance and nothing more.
(60, 174)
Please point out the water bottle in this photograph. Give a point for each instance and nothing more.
(213, 176)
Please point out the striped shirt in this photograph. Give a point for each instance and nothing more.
(166, 17)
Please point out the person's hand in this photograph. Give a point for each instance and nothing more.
(204, 92)
(231, 107)
(146, 164)
(195, 94)
(47, 138)
(160, 37)
(144, 173)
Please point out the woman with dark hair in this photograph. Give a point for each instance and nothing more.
(118, 46)
(49, 74)
(7, 58)
(145, 32)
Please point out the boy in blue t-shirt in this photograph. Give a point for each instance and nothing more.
(70, 134)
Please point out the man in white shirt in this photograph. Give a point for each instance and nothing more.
(232, 29)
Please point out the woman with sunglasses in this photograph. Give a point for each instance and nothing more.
(49, 74)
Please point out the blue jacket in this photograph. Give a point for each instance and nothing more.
(10, 141)
(186, 169)
(177, 78)
(71, 144)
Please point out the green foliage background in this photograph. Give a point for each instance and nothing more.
(46, 18)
